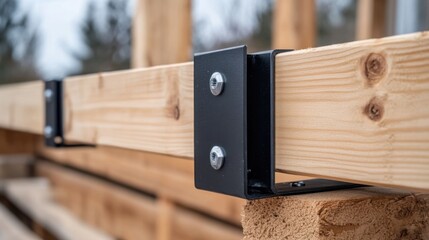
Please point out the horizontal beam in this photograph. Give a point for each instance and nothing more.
(161, 175)
(45, 212)
(126, 214)
(355, 112)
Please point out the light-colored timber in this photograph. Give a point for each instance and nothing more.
(34, 198)
(356, 111)
(162, 32)
(22, 107)
(11, 228)
(294, 24)
(165, 176)
(126, 214)
(371, 19)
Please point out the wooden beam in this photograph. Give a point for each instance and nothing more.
(356, 111)
(13, 142)
(357, 108)
(126, 214)
(12, 228)
(43, 210)
(294, 24)
(168, 177)
(147, 109)
(162, 32)
(371, 19)
(22, 107)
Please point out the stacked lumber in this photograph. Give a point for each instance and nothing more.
(34, 199)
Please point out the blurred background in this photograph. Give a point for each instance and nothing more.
(57, 38)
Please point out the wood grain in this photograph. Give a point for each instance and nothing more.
(126, 214)
(165, 176)
(356, 111)
(22, 107)
(149, 109)
(34, 198)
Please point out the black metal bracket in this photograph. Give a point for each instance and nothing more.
(234, 126)
(53, 131)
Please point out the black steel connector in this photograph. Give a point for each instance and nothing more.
(234, 126)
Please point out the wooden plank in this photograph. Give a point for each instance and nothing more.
(357, 108)
(294, 24)
(43, 210)
(162, 32)
(123, 213)
(22, 107)
(166, 176)
(13, 142)
(147, 109)
(11, 228)
(15, 166)
(371, 19)
(356, 111)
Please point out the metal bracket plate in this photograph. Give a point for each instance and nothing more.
(240, 121)
(53, 131)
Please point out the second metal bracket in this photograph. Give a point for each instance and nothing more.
(53, 130)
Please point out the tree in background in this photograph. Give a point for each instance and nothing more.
(17, 45)
(110, 48)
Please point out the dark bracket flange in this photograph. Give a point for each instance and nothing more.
(241, 121)
(53, 131)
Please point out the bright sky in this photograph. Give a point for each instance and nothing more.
(58, 23)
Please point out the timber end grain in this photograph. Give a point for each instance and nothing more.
(365, 213)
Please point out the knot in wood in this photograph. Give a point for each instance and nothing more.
(375, 68)
(374, 109)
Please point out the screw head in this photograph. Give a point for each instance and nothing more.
(48, 131)
(217, 157)
(297, 184)
(48, 94)
(217, 82)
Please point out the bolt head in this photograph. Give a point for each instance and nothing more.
(48, 131)
(297, 184)
(48, 94)
(217, 82)
(217, 157)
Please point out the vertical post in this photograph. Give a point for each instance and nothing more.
(371, 19)
(161, 32)
(294, 24)
(163, 223)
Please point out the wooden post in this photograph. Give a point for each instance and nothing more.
(294, 24)
(162, 32)
(371, 19)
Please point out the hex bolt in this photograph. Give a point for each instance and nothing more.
(217, 82)
(48, 94)
(297, 184)
(217, 157)
(48, 131)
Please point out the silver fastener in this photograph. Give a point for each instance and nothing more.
(48, 131)
(217, 82)
(297, 184)
(217, 157)
(48, 94)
